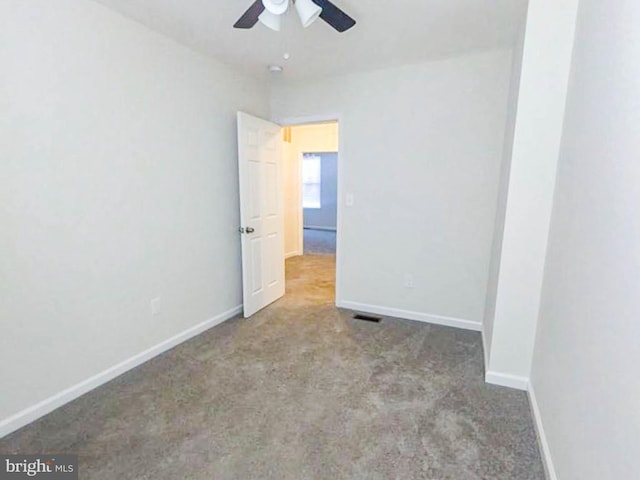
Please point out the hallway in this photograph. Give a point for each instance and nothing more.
(319, 242)
(300, 391)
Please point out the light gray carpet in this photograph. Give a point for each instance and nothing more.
(319, 242)
(300, 391)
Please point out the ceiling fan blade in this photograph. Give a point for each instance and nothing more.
(334, 16)
(250, 17)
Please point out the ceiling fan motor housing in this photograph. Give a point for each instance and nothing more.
(277, 7)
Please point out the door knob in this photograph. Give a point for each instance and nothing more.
(250, 230)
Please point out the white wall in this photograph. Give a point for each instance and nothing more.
(503, 191)
(118, 185)
(587, 351)
(421, 152)
(538, 129)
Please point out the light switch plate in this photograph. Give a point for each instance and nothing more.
(155, 306)
(349, 200)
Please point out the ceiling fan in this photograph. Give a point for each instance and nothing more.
(269, 13)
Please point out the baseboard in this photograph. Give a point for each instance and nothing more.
(46, 406)
(507, 380)
(409, 315)
(315, 227)
(292, 254)
(542, 438)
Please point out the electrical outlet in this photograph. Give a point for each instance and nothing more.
(408, 280)
(155, 306)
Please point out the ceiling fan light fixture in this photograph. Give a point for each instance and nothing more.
(277, 7)
(266, 12)
(270, 20)
(307, 11)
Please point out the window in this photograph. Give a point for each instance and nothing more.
(311, 175)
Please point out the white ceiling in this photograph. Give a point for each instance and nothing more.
(387, 33)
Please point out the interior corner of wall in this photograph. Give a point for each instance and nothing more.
(486, 346)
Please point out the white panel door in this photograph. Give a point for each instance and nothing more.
(261, 212)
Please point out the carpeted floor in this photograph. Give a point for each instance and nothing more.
(300, 391)
(319, 242)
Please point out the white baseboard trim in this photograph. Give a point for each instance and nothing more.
(507, 380)
(542, 438)
(46, 406)
(292, 254)
(315, 227)
(409, 315)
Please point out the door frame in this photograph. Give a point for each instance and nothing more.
(310, 120)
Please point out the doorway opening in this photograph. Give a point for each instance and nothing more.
(274, 198)
(319, 202)
(310, 162)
